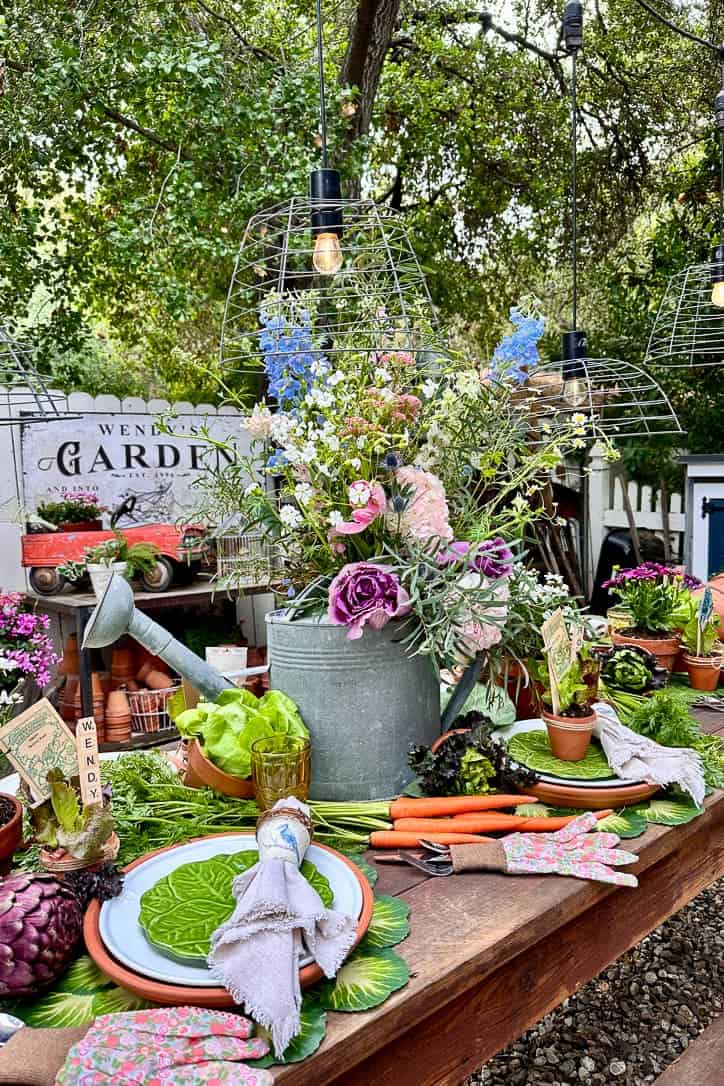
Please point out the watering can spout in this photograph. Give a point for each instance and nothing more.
(116, 614)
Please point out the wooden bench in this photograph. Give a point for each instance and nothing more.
(702, 1063)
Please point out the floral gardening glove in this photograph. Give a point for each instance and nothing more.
(166, 1046)
(570, 851)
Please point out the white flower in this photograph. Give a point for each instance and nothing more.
(429, 389)
(304, 493)
(319, 397)
(318, 368)
(468, 383)
(335, 378)
(361, 441)
(355, 463)
(335, 518)
(579, 419)
(308, 452)
(252, 488)
(290, 516)
(332, 442)
(324, 469)
(259, 422)
(359, 493)
(382, 375)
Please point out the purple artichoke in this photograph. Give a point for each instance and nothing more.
(40, 924)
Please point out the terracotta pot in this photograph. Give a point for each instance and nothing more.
(704, 671)
(99, 699)
(11, 834)
(70, 664)
(665, 649)
(122, 669)
(521, 694)
(158, 680)
(679, 667)
(66, 704)
(569, 736)
(151, 666)
(201, 773)
(118, 717)
(106, 682)
(59, 860)
(81, 526)
(716, 584)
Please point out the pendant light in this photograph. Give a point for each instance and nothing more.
(689, 326)
(342, 271)
(617, 398)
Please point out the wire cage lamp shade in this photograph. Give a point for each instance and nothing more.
(24, 395)
(348, 263)
(689, 328)
(608, 397)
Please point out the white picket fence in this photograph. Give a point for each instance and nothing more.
(607, 507)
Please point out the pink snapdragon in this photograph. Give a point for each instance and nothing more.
(369, 500)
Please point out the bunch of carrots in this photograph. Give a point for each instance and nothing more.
(458, 820)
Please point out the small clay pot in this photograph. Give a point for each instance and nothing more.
(201, 773)
(522, 694)
(122, 669)
(158, 680)
(118, 717)
(11, 834)
(446, 735)
(99, 699)
(569, 736)
(66, 704)
(70, 663)
(704, 671)
(665, 649)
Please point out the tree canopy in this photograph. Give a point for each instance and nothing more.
(140, 137)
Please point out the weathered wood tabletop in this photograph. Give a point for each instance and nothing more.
(489, 955)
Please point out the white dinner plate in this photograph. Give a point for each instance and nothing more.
(503, 735)
(125, 939)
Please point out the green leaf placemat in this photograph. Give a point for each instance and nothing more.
(182, 910)
(313, 1023)
(83, 993)
(533, 749)
(670, 811)
(390, 922)
(365, 980)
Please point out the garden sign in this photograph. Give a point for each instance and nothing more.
(119, 455)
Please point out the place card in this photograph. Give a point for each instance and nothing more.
(89, 770)
(558, 653)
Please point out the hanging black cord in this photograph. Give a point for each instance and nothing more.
(717, 49)
(574, 188)
(322, 99)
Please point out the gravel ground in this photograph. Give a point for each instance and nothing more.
(626, 1026)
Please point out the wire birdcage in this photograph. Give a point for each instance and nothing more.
(377, 300)
(24, 394)
(607, 397)
(246, 560)
(689, 328)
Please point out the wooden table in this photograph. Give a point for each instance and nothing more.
(489, 955)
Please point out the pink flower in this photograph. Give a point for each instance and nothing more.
(363, 592)
(374, 500)
(425, 513)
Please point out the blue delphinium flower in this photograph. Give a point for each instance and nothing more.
(288, 357)
(517, 353)
(392, 461)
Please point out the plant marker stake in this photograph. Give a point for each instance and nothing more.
(86, 743)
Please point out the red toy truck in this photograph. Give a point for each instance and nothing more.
(182, 552)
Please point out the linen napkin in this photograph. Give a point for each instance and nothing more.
(255, 954)
(633, 757)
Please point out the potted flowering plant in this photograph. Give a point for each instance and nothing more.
(112, 556)
(77, 511)
(703, 652)
(656, 597)
(400, 490)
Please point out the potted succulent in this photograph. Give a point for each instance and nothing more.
(656, 596)
(77, 511)
(567, 711)
(114, 556)
(703, 652)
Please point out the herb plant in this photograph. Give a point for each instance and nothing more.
(704, 644)
(666, 720)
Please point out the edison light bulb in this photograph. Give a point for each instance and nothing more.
(328, 256)
(575, 391)
(717, 295)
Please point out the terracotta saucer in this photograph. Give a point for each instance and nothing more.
(178, 995)
(591, 799)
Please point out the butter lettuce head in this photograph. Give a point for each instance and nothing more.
(227, 728)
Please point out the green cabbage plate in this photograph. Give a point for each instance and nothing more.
(533, 749)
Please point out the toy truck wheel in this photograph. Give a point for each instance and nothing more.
(46, 581)
(161, 577)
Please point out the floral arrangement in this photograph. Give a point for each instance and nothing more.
(658, 597)
(397, 487)
(26, 650)
(75, 506)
